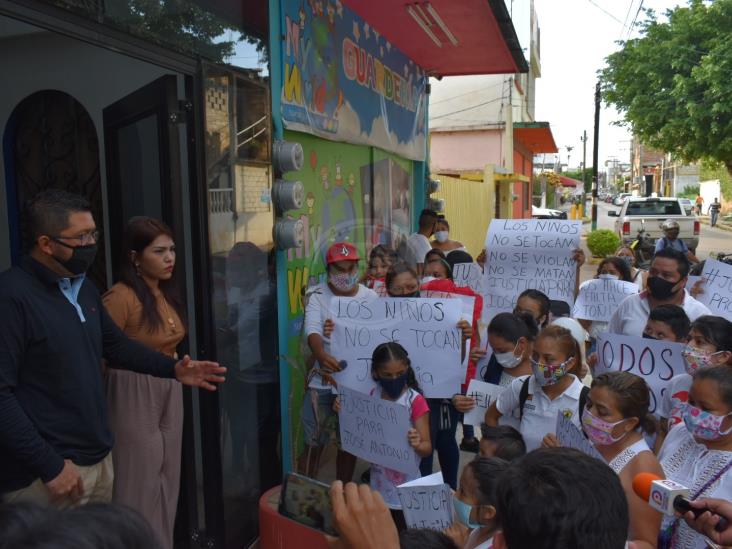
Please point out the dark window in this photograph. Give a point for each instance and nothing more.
(661, 207)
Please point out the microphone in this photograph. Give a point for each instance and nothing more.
(665, 496)
(668, 496)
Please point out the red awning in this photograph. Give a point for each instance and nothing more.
(535, 136)
(569, 182)
(448, 37)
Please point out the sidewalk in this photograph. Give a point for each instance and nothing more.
(721, 225)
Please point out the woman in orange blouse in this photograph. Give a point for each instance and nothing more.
(146, 413)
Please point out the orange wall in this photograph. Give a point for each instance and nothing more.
(522, 164)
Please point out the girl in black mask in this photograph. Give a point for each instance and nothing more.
(392, 370)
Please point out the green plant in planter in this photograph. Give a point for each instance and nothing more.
(603, 242)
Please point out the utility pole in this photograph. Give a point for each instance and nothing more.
(584, 159)
(595, 155)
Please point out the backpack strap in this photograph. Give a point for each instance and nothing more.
(523, 396)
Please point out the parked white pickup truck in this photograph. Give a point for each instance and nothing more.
(649, 214)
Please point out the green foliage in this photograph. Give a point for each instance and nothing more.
(181, 24)
(715, 170)
(689, 192)
(672, 84)
(603, 242)
(582, 175)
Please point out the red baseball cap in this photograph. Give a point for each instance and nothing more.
(341, 251)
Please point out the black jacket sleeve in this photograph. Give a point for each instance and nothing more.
(18, 434)
(123, 353)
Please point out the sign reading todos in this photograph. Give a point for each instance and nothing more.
(426, 328)
(655, 361)
(527, 254)
(375, 430)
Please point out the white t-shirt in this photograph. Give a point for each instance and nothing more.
(318, 311)
(632, 314)
(540, 413)
(676, 395)
(513, 419)
(693, 465)
(473, 538)
(417, 247)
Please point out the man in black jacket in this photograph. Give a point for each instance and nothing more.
(55, 441)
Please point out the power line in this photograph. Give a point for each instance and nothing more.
(466, 93)
(627, 14)
(630, 28)
(467, 108)
(598, 6)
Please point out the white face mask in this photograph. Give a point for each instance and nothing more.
(427, 279)
(508, 360)
(608, 276)
(441, 236)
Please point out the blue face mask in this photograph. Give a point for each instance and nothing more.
(462, 510)
(393, 387)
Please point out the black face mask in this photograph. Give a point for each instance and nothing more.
(81, 258)
(393, 387)
(660, 288)
(647, 336)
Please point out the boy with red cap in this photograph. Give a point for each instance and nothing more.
(341, 263)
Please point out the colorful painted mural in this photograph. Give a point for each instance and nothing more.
(344, 81)
(355, 193)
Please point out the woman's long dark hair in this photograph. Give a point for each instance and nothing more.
(139, 233)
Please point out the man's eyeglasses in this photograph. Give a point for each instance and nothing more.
(84, 239)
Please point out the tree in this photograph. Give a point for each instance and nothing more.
(672, 83)
(582, 175)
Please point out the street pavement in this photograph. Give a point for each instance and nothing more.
(711, 241)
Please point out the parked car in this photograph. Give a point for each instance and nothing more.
(688, 205)
(649, 214)
(619, 199)
(546, 213)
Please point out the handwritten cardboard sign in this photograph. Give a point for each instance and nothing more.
(375, 430)
(570, 436)
(426, 502)
(527, 254)
(426, 328)
(484, 395)
(655, 361)
(717, 288)
(599, 298)
(468, 275)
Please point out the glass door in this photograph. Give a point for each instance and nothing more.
(243, 294)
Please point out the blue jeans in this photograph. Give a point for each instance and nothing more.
(714, 214)
(443, 424)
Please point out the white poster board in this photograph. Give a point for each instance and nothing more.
(655, 361)
(468, 275)
(570, 436)
(426, 328)
(527, 254)
(599, 298)
(375, 430)
(426, 502)
(717, 294)
(484, 395)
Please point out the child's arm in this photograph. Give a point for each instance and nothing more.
(493, 415)
(419, 436)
